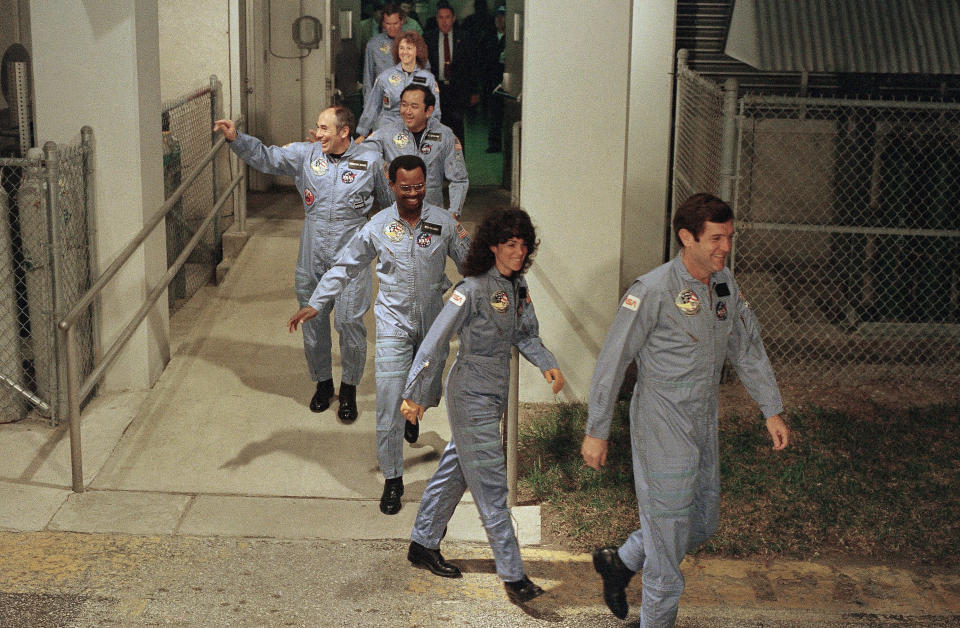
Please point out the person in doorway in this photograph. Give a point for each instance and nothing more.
(453, 56)
(382, 104)
(493, 47)
(410, 241)
(492, 311)
(679, 323)
(423, 135)
(335, 179)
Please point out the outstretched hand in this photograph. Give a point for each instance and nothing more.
(555, 377)
(303, 314)
(226, 127)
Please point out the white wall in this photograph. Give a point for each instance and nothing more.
(194, 43)
(575, 92)
(646, 200)
(97, 64)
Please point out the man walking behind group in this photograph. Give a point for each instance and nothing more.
(410, 241)
(335, 178)
(679, 322)
(453, 54)
(423, 135)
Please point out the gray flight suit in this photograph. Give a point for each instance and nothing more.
(382, 103)
(491, 313)
(337, 194)
(410, 265)
(377, 57)
(440, 151)
(679, 331)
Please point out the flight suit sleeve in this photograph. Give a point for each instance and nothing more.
(455, 172)
(371, 108)
(427, 364)
(745, 351)
(627, 335)
(459, 244)
(436, 93)
(286, 160)
(528, 336)
(357, 255)
(369, 71)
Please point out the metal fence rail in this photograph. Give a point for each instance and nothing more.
(78, 386)
(187, 123)
(847, 226)
(44, 253)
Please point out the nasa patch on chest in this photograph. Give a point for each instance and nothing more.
(394, 231)
(423, 240)
(319, 165)
(499, 301)
(688, 302)
(348, 176)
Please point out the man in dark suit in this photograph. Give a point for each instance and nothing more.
(453, 57)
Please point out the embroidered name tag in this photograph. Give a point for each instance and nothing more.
(359, 164)
(433, 137)
(419, 79)
(429, 227)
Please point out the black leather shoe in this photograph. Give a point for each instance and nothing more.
(411, 431)
(431, 559)
(392, 492)
(616, 577)
(348, 403)
(321, 398)
(522, 590)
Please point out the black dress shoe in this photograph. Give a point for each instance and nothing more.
(431, 559)
(522, 590)
(411, 431)
(616, 577)
(348, 403)
(392, 492)
(321, 398)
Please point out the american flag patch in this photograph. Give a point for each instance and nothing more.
(457, 298)
(461, 231)
(631, 302)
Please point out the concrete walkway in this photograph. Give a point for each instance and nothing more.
(224, 448)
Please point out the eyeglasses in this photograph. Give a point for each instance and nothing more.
(411, 188)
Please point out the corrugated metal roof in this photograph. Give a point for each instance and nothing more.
(862, 36)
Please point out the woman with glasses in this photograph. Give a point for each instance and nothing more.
(491, 310)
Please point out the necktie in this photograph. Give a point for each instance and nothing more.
(446, 56)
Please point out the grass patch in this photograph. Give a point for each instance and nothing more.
(876, 486)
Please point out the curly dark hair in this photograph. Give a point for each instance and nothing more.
(499, 226)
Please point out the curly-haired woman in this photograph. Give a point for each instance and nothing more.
(492, 311)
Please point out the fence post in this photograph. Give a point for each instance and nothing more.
(728, 155)
(52, 162)
(217, 239)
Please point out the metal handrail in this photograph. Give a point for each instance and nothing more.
(76, 391)
(513, 395)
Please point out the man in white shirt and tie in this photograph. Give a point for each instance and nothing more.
(453, 58)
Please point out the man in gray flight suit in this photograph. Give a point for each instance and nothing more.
(679, 322)
(410, 241)
(335, 178)
(423, 135)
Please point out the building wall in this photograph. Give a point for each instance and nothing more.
(194, 43)
(97, 64)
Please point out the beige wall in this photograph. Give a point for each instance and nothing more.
(97, 64)
(595, 151)
(194, 43)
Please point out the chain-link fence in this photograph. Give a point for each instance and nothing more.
(44, 269)
(848, 227)
(187, 137)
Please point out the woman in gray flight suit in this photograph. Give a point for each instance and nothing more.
(492, 311)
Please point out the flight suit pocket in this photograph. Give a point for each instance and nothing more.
(672, 484)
